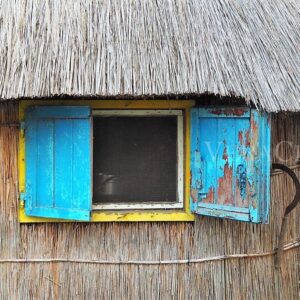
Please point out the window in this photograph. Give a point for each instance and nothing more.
(144, 161)
(138, 159)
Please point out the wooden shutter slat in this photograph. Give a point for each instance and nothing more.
(229, 167)
(58, 162)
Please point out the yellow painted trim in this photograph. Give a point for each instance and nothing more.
(187, 154)
(111, 104)
(131, 216)
(113, 216)
(21, 161)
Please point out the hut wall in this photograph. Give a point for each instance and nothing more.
(246, 278)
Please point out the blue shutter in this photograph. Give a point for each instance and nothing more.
(230, 163)
(58, 162)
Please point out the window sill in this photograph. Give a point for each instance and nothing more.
(124, 216)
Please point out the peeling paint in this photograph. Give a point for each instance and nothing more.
(244, 138)
(225, 186)
(247, 139)
(241, 180)
(240, 137)
(225, 155)
(242, 147)
(253, 141)
(235, 180)
(210, 196)
(242, 187)
(194, 195)
(229, 111)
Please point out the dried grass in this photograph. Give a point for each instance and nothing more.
(251, 278)
(114, 48)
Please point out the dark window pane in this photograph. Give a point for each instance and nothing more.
(135, 159)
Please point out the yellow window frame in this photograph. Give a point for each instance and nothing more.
(119, 216)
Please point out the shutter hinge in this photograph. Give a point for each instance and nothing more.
(22, 199)
(26, 197)
(22, 196)
(22, 128)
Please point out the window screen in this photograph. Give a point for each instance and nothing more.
(135, 159)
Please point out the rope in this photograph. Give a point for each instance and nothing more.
(9, 124)
(286, 247)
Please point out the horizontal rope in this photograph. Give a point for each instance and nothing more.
(286, 247)
(15, 124)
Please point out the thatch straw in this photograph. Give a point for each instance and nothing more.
(113, 48)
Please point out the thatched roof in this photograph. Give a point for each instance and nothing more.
(247, 48)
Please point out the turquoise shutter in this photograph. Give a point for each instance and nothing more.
(230, 163)
(58, 162)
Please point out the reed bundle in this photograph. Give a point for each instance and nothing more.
(138, 48)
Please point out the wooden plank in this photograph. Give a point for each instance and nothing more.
(82, 164)
(59, 163)
(230, 144)
(44, 164)
(63, 166)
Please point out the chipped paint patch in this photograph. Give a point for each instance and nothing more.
(253, 141)
(248, 139)
(240, 137)
(225, 155)
(225, 186)
(241, 187)
(210, 196)
(229, 111)
(194, 195)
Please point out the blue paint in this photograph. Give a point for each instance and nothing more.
(219, 213)
(196, 171)
(81, 146)
(234, 143)
(224, 208)
(225, 112)
(64, 161)
(260, 201)
(44, 160)
(58, 162)
(242, 180)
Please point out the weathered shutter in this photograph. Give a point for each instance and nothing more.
(58, 162)
(230, 163)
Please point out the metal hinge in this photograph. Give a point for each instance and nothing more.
(22, 199)
(22, 128)
(26, 196)
(22, 196)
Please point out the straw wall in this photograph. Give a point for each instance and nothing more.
(246, 278)
(152, 47)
